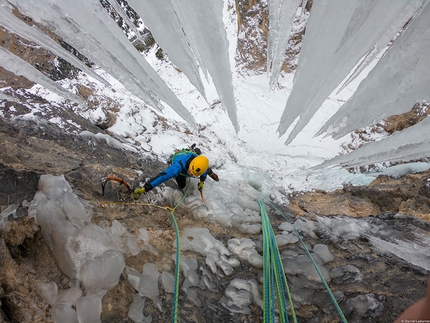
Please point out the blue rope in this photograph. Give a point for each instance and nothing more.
(336, 305)
(177, 258)
(275, 281)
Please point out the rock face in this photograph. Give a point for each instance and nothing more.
(406, 195)
(369, 284)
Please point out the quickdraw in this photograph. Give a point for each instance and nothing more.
(116, 179)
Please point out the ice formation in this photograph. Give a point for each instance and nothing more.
(201, 241)
(203, 25)
(396, 83)
(90, 30)
(170, 36)
(18, 66)
(82, 250)
(281, 16)
(338, 35)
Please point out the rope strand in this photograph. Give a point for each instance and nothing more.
(275, 282)
(333, 299)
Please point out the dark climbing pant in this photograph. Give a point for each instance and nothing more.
(182, 181)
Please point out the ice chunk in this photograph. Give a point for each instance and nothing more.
(365, 305)
(284, 239)
(69, 296)
(289, 254)
(286, 226)
(135, 312)
(225, 266)
(10, 210)
(245, 249)
(148, 285)
(242, 248)
(48, 291)
(88, 242)
(74, 210)
(89, 308)
(238, 296)
(188, 267)
(302, 265)
(200, 240)
(207, 280)
(102, 272)
(64, 313)
(323, 251)
(143, 235)
(53, 186)
(303, 225)
(250, 228)
(133, 277)
(168, 281)
(132, 245)
(347, 228)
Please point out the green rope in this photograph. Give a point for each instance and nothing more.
(177, 258)
(274, 275)
(339, 310)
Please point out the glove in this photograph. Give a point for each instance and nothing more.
(201, 186)
(214, 177)
(137, 192)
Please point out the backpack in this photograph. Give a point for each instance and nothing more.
(193, 150)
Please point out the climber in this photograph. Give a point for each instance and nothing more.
(184, 163)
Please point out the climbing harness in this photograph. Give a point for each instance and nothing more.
(266, 219)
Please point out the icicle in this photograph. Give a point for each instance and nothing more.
(15, 25)
(88, 28)
(278, 42)
(204, 28)
(383, 42)
(395, 84)
(18, 66)
(170, 36)
(338, 35)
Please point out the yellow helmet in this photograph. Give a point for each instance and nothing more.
(198, 165)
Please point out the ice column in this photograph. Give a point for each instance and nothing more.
(338, 34)
(170, 36)
(281, 16)
(399, 80)
(88, 28)
(204, 28)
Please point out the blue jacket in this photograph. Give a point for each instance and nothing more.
(179, 167)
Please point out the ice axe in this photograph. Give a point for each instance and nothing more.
(203, 199)
(116, 179)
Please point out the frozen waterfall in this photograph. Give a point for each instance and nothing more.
(340, 41)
